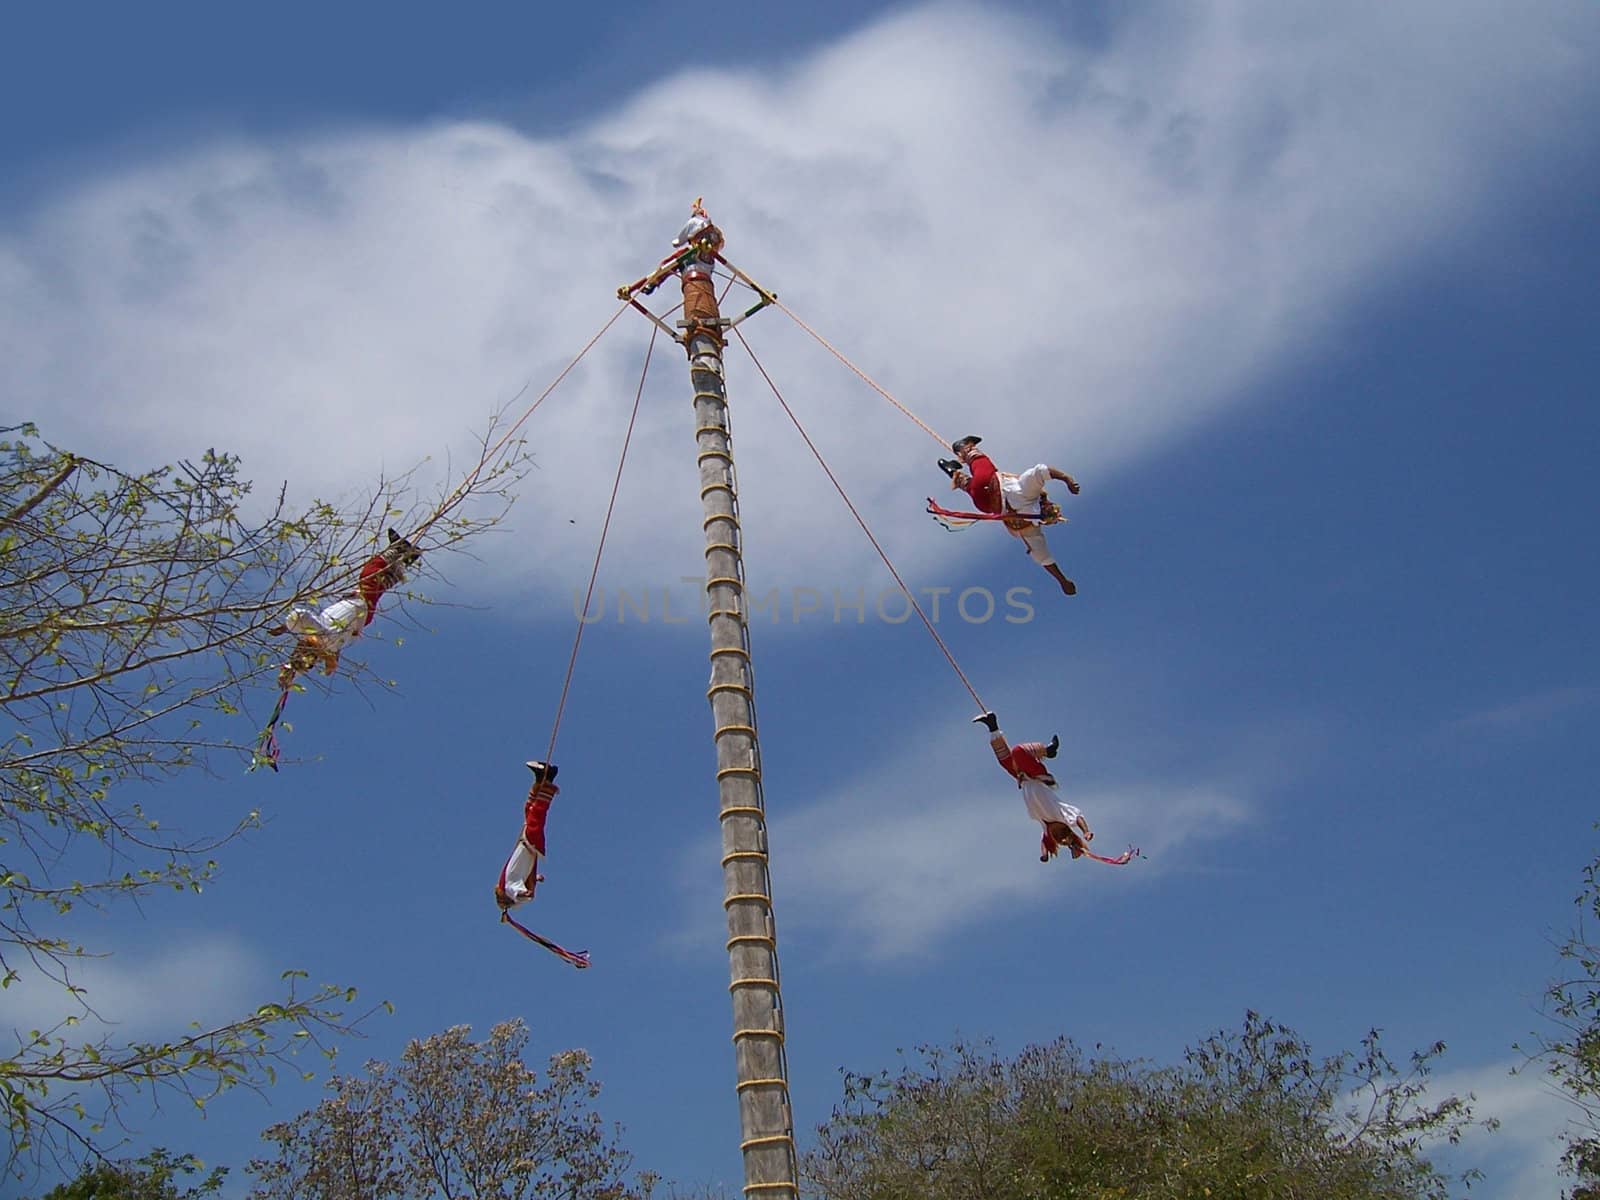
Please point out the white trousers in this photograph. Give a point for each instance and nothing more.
(1021, 493)
(335, 627)
(1045, 806)
(517, 879)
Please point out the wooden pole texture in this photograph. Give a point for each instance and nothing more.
(766, 1121)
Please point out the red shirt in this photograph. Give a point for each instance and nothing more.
(373, 585)
(984, 484)
(1023, 763)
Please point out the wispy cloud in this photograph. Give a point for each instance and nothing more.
(920, 847)
(1521, 1160)
(1081, 253)
(1525, 712)
(131, 997)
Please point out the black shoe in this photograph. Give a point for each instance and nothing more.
(1055, 744)
(949, 466)
(542, 772)
(989, 719)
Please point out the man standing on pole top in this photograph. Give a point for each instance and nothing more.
(1021, 498)
(699, 294)
(694, 254)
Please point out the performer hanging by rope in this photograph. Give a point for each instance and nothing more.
(520, 877)
(324, 634)
(1063, 824)
(1019, 501)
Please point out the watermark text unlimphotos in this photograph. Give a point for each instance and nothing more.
(679, 605)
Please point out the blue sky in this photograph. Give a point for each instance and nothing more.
(1304, 299)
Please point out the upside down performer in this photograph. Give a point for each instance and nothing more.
(1018, 501)
(520, 876)
(324, 633)
(1063, 824)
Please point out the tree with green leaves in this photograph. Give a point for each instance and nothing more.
(135, 619)
(156, 1176)
(1568, 1050)
(454, 1118)
(1246, 1114)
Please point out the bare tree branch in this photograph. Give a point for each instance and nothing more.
(137, 618)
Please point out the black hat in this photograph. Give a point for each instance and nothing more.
(969, 440)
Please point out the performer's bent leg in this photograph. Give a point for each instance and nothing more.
(1067, 586)
(1001, 747)
(1030, 485)
(1039, 551)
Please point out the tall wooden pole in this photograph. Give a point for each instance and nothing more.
(766, 1120)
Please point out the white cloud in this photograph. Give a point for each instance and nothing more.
(1521, 1160)
(1524, 712)
(132, 997)
(919, 847)
(1079, 253)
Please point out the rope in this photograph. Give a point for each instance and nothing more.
(460, 489)
(870, 382)
(580, 958)
(455, 497)
(605, 528)
(817, 454)
(266, 749)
